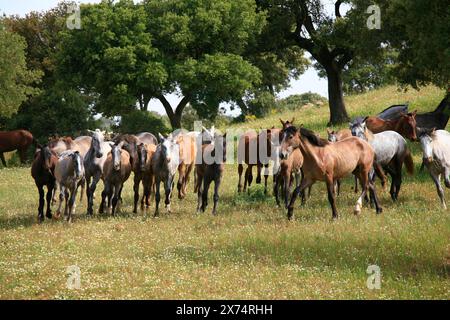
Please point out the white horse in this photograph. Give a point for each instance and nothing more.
(436, 156)
(69, 175)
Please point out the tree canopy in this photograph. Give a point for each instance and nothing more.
(16, 80)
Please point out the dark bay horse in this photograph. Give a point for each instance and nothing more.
(438, 118)
(19, 140)
(43, 173)
(211, 169)
(328, 162)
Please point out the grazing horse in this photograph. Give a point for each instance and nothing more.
(43, 173)
(436, 156)
(210, 169)
(165, 163)
(393, 112)
(116, 170)
(93, 165)
(143, 172)
(405, 125)
(292, 166)
(188, 154)
(438, 118)
(18, 140)
(69, 175)
(325, 161)
(391, 152)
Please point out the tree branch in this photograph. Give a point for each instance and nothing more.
(166, 106)
(337, 7)
(182, 105)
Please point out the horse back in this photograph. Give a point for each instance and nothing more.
(17, 139)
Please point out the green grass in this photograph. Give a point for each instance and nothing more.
(249, 250)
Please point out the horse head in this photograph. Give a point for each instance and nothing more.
(77, 163)
(426, 142)
(407, 125)
(116, 154)
(142, 156)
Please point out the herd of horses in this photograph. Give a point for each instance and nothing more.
(370, 148)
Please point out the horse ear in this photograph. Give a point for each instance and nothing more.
(282, 122)
(292, 121)
(161, 137)
(329, 131)
(365, 119)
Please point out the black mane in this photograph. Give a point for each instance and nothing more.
(313, 138)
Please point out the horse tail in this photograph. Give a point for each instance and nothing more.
(409, 162)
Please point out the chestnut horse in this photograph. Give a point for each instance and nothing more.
(18, 140)
(328, 162)
(405, 125)
(43, 173)
(188, 153)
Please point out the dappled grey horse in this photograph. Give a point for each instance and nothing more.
(436, 156)
(147, 138)
(391, 151)
(69, 175)
(165, 163)
(93, 165)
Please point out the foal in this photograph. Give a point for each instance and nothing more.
(328, 162)
(42, 171)
(188, 153)
(211, 169)
(69, 175)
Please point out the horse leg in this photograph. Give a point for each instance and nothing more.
(168, 191)
(373, 195)
(337, 187)
(115, 199)
(447, 177)
(50, 188)
(72, 205)
(66, 207)
(332, 195)
(199, 192)
(137, 181)
(157, 196)
(356, 184)
(240, 170)
(217, 182)
(380, 173)
(286, 188)
(206, 183)
(2, 157)
(187, 179)
(266, 176)
(437, 181)
(41, 203)
(276, 184)
(181, 175)
(305, 184)
(61, 199)
(364, 180)
(105, 193)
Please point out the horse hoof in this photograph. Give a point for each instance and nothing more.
(380, 210)
(357, 212)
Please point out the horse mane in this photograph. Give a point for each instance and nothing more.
(312, 137)
(445, 102)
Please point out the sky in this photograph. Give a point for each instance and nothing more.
(309, 81)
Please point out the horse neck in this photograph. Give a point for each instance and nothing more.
(444, 103)
(310, 152)
(369, 135)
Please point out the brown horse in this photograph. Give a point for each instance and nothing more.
(292, 166)
(145, 153)
(256, 150)
(43, 173)
(19, 140)
(188, 153)
(328, 162)
(405, 125)
(211, 169)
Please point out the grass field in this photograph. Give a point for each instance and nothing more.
(249, 250)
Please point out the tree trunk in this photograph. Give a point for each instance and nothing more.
(175, 117)
(338, 113)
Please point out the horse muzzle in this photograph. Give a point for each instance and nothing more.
(99, 155)
(116, 167)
